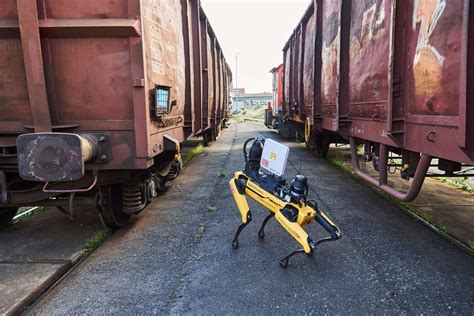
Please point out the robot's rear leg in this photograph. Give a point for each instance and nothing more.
(284, 262)
(261, 232)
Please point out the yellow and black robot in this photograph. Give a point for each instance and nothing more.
(287, 203)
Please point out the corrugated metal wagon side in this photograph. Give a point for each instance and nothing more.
(205, 56)
(95, 97)
(393, 75)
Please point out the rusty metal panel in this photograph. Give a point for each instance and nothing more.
(437, 32)
(434, 57)
(81, 87)
(296, 62)
(14, 100)
(164, 52)
(215, 89)
(219, 84)
(369, 77)
(286, 79)
(308, 66)
(330, 57)
(211, 74)
(8, 9)
(86, 9)
(393, 72)
(94, 65)
(34, 69)
(189, 83)
(204, 73)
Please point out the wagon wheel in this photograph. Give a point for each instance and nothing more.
(213, 135)
(206, 139)
(109, 205)
(322, 145)
(307, 133)
(299, 136)
(6, 215)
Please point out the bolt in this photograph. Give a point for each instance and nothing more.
(103, 157)
(102, 139)
(431, 137)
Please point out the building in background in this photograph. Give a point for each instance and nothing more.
(241, 99)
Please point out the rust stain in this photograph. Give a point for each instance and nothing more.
(428, 62)
(330, 63)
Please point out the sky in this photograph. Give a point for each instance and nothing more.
(256, 30)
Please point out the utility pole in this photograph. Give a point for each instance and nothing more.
(236, 81)
(236, 71)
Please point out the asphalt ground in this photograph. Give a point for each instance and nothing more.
(177, 257)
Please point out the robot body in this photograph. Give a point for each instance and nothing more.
(288, 204)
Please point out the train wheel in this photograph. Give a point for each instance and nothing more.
(307, 133)
(205, 139)
(213, 135)
(6, 215)
(322, 145)
(299, 136)
(109, 205)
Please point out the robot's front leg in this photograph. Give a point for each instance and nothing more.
(287, 218)
(238, 192)
(329, 226)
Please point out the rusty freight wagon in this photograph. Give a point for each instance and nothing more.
(273, 113)
(97, 95)
(393, 75)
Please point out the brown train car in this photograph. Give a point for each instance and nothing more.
(393, 75)
(96, 97)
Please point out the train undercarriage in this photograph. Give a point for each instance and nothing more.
(118, 194)
(412, 166)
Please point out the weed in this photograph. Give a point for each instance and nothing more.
(22, 210)
(193, 153)
(338, 161)
(211, 209)
(460, 184)
(199, 232)
(222, 174)
(96, 241)
(444, 229)
(471, 244)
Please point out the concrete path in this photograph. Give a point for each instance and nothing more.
(37, 250)
(177, 257)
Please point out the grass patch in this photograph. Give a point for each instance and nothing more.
(338, 161)
(462, 184)
(96, 241)
(37, 209)
(253, 113)
(193, 153)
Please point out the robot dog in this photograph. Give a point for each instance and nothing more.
(262, 181)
